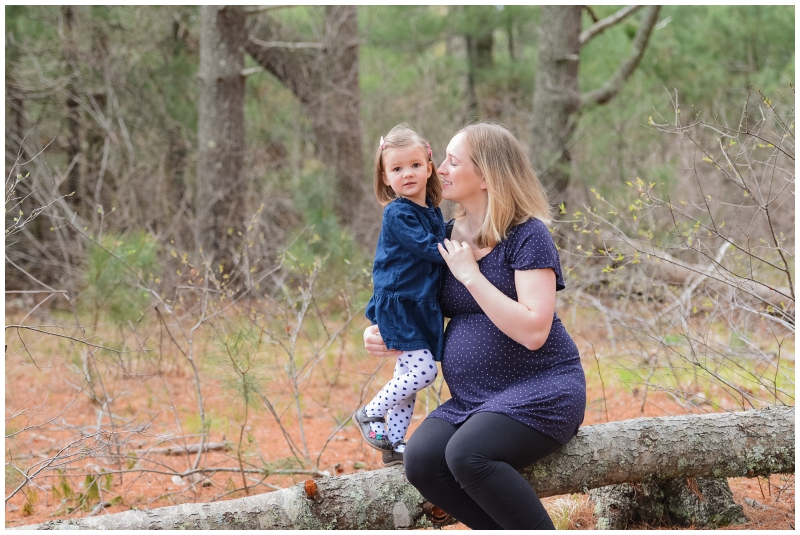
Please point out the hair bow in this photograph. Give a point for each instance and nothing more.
(430, 153)
(383, 143)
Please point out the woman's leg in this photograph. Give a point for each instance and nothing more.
(484, 456)
(426, 469)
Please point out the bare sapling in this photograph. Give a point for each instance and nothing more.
(694, 276)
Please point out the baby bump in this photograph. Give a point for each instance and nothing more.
(478, 357)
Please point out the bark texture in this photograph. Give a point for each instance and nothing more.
(752, 443)
(220, 129)
(556, 96)
(557, 100)
(324, 77)
(74, 180)
(705, 502)
(745, 444)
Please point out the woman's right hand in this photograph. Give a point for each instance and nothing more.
(373, 342)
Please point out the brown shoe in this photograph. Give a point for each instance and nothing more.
(391, 458)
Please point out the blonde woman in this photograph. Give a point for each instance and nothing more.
(518, 389)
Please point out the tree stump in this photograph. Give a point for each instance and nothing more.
(703, 502)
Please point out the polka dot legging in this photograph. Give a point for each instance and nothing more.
(414, 371)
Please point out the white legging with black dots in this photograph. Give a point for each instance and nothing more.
(414, 371)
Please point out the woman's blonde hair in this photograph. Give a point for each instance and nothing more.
(403, 135)
(515, 194)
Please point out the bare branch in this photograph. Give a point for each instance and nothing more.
(262, 9)
(602, 25)
(614, 84)
(291, 65)
(285, 44)
(252, 70)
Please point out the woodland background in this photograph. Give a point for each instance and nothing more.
(190, 223)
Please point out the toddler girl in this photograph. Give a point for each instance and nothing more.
(405, 276)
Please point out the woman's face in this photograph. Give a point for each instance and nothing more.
(461, 182)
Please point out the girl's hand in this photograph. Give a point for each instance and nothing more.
(373, 342)
(460, 260)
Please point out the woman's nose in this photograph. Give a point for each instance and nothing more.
(442, 170)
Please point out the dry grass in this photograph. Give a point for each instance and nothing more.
(159, 389)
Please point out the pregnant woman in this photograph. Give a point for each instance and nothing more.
(518, 389)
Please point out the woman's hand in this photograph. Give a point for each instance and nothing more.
(373, 342)
(460, 259)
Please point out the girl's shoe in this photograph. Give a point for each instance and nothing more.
(376, 440)
(391, 458)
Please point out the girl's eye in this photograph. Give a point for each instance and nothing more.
(417, 165)
(396, 169)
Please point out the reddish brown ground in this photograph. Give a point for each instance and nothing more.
(161, 391)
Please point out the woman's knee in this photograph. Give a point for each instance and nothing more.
(420, 462)
(466, 462)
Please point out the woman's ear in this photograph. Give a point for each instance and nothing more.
(479, 174)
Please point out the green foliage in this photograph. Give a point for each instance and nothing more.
(194, 424)
(13, 476)
(323, 242)
(31, 499)
(715, 52)
(239, 360)
(112, 273)
(83, 500)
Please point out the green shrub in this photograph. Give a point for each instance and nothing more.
(113, 275)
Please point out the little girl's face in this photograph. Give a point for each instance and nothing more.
(406, 171)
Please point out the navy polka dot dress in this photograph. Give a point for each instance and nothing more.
(486, 370)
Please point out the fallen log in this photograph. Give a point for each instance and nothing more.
(752, 443)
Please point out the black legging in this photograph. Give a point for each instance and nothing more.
(470, 470)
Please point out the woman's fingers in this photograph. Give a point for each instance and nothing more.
(374, 344)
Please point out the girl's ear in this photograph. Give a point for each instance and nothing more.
(385, 180)
(430, 169)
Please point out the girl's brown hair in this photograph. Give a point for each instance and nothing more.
(403, 135)
(515, 194)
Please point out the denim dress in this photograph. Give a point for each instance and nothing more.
(406, 277)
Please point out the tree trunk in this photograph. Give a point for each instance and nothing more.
(752, 443)
(325, 79)
(557, 100)
(480, 45)
(220, 129)
(75, 180)
(703, 502)
(15, 104)
(336, 112)
(556, 97)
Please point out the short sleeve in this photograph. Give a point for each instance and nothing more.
(530, 246)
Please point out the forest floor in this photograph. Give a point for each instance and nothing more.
(162, 394)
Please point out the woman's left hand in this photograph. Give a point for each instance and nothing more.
(460, 260)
